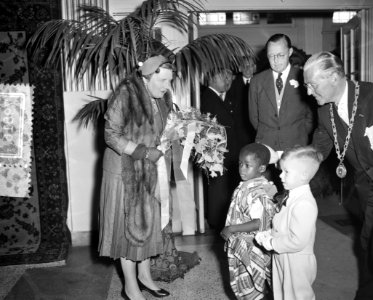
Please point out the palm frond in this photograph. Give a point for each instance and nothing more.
(174, 13)
(91, 112)
(205, 55)
(98, 44)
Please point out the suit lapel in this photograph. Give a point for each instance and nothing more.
(341, 127)
(358, 128)
(350, 97)
(270, 89)
(287, 87)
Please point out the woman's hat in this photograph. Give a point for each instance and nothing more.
(152, 64)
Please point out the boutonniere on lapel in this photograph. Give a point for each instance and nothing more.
(369, 134)
(294, 83)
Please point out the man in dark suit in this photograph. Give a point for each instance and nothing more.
(239, 93)
(278, 106)
(345, 121)
(214, 100)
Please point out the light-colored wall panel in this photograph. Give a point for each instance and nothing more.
(306, 33)
(84, 149)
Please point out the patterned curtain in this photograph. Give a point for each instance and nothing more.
(33, 230)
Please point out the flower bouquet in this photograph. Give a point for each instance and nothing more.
(201, 138)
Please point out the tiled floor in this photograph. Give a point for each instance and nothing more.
(89, 277)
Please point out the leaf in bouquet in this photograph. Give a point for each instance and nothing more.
(217, 168)
(222, 146)
(220, 157)
(216, 157)
(173, 116)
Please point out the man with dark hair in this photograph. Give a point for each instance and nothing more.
(214, 100)
(278, 106)
(239, 91)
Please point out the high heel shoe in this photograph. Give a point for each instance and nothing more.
(124, 295)
(156, 293)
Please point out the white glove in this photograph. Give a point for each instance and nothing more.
(264, 239)
(267, 243)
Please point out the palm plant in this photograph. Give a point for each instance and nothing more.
(97, 44)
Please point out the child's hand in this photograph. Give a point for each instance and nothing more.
(267, 243)
(260, 236)
(264, 239)
(270, 189)
(226, 232)
(267, 190)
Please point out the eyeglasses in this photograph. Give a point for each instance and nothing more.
(277, 56)
(310, 86)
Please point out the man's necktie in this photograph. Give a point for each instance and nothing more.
(279, 83)
(221, 95)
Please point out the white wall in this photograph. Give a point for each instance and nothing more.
(83, 148)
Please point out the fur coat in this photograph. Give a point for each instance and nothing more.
(140, 125)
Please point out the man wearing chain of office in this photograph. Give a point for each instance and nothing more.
(345, 122)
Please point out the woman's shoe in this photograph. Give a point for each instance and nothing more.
(124, 295)
(156, 293)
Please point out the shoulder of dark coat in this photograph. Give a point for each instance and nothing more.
(261, 75)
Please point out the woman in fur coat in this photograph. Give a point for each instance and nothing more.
(130, 225)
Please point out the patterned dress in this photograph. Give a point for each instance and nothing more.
(249, 265)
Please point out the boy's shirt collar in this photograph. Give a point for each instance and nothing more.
(300, 190)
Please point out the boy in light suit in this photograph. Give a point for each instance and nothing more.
(294, 227)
